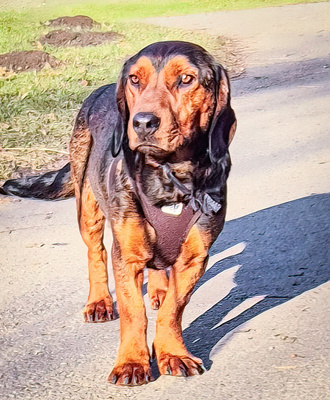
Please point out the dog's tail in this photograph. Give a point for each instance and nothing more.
(52, 185)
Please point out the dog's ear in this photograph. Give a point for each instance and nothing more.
(223, 125)
(121, 124)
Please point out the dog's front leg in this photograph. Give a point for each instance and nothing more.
(172, 356)
(129, 256)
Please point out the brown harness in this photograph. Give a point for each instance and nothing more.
(171, 230)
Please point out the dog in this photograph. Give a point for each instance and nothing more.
(150, 155)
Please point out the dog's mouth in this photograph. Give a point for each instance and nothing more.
(151, 150)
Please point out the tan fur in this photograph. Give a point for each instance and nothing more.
(178, 109)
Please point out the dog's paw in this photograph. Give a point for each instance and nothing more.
(130, 374)
(156, 299)
(170, 364)
(157, 287)
(101, 311)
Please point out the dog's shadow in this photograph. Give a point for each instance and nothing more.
(268, 258)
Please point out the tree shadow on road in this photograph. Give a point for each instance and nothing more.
(287, 253)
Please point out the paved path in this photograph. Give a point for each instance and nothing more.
(260, 318)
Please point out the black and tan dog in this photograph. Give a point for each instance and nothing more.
(150, 155)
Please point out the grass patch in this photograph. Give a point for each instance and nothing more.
(37, 109)
(132, 9)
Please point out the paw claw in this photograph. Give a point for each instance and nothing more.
(183, 371)
(126, 381)
(155, 304)
(201, 369)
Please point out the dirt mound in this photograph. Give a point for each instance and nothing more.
(62, 38)
(20, 61)
(79, 21)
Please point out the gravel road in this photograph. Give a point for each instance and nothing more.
(260, 318)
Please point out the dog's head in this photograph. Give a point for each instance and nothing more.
(168, 95)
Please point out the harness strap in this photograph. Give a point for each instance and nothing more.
(171, 230)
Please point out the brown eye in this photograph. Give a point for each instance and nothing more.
(134, 80)
(186, 79)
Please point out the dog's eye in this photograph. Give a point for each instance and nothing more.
(186, 79)
(134, 80)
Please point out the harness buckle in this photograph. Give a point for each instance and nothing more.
(174, 209)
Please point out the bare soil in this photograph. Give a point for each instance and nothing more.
(78, 21)
(65, 38)
(21, 61)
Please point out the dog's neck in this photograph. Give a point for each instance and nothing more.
(172, 180)
(167, 185)
(194, 179)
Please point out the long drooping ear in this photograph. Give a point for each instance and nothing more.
(224, 123)
(121, 124)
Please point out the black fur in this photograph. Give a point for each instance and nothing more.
(50, 185)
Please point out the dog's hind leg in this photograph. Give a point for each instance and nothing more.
(99, 307)
(91, 220)
(157, 287)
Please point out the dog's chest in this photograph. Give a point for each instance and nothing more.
(162, 207)
(172, 224)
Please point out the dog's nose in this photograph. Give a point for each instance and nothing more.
(145, 124)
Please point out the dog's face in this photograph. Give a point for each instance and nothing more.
(166, 105)
(169, 94)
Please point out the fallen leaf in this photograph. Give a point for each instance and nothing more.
(30, 245)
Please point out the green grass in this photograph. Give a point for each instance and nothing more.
(37, 109)
(132, 9)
